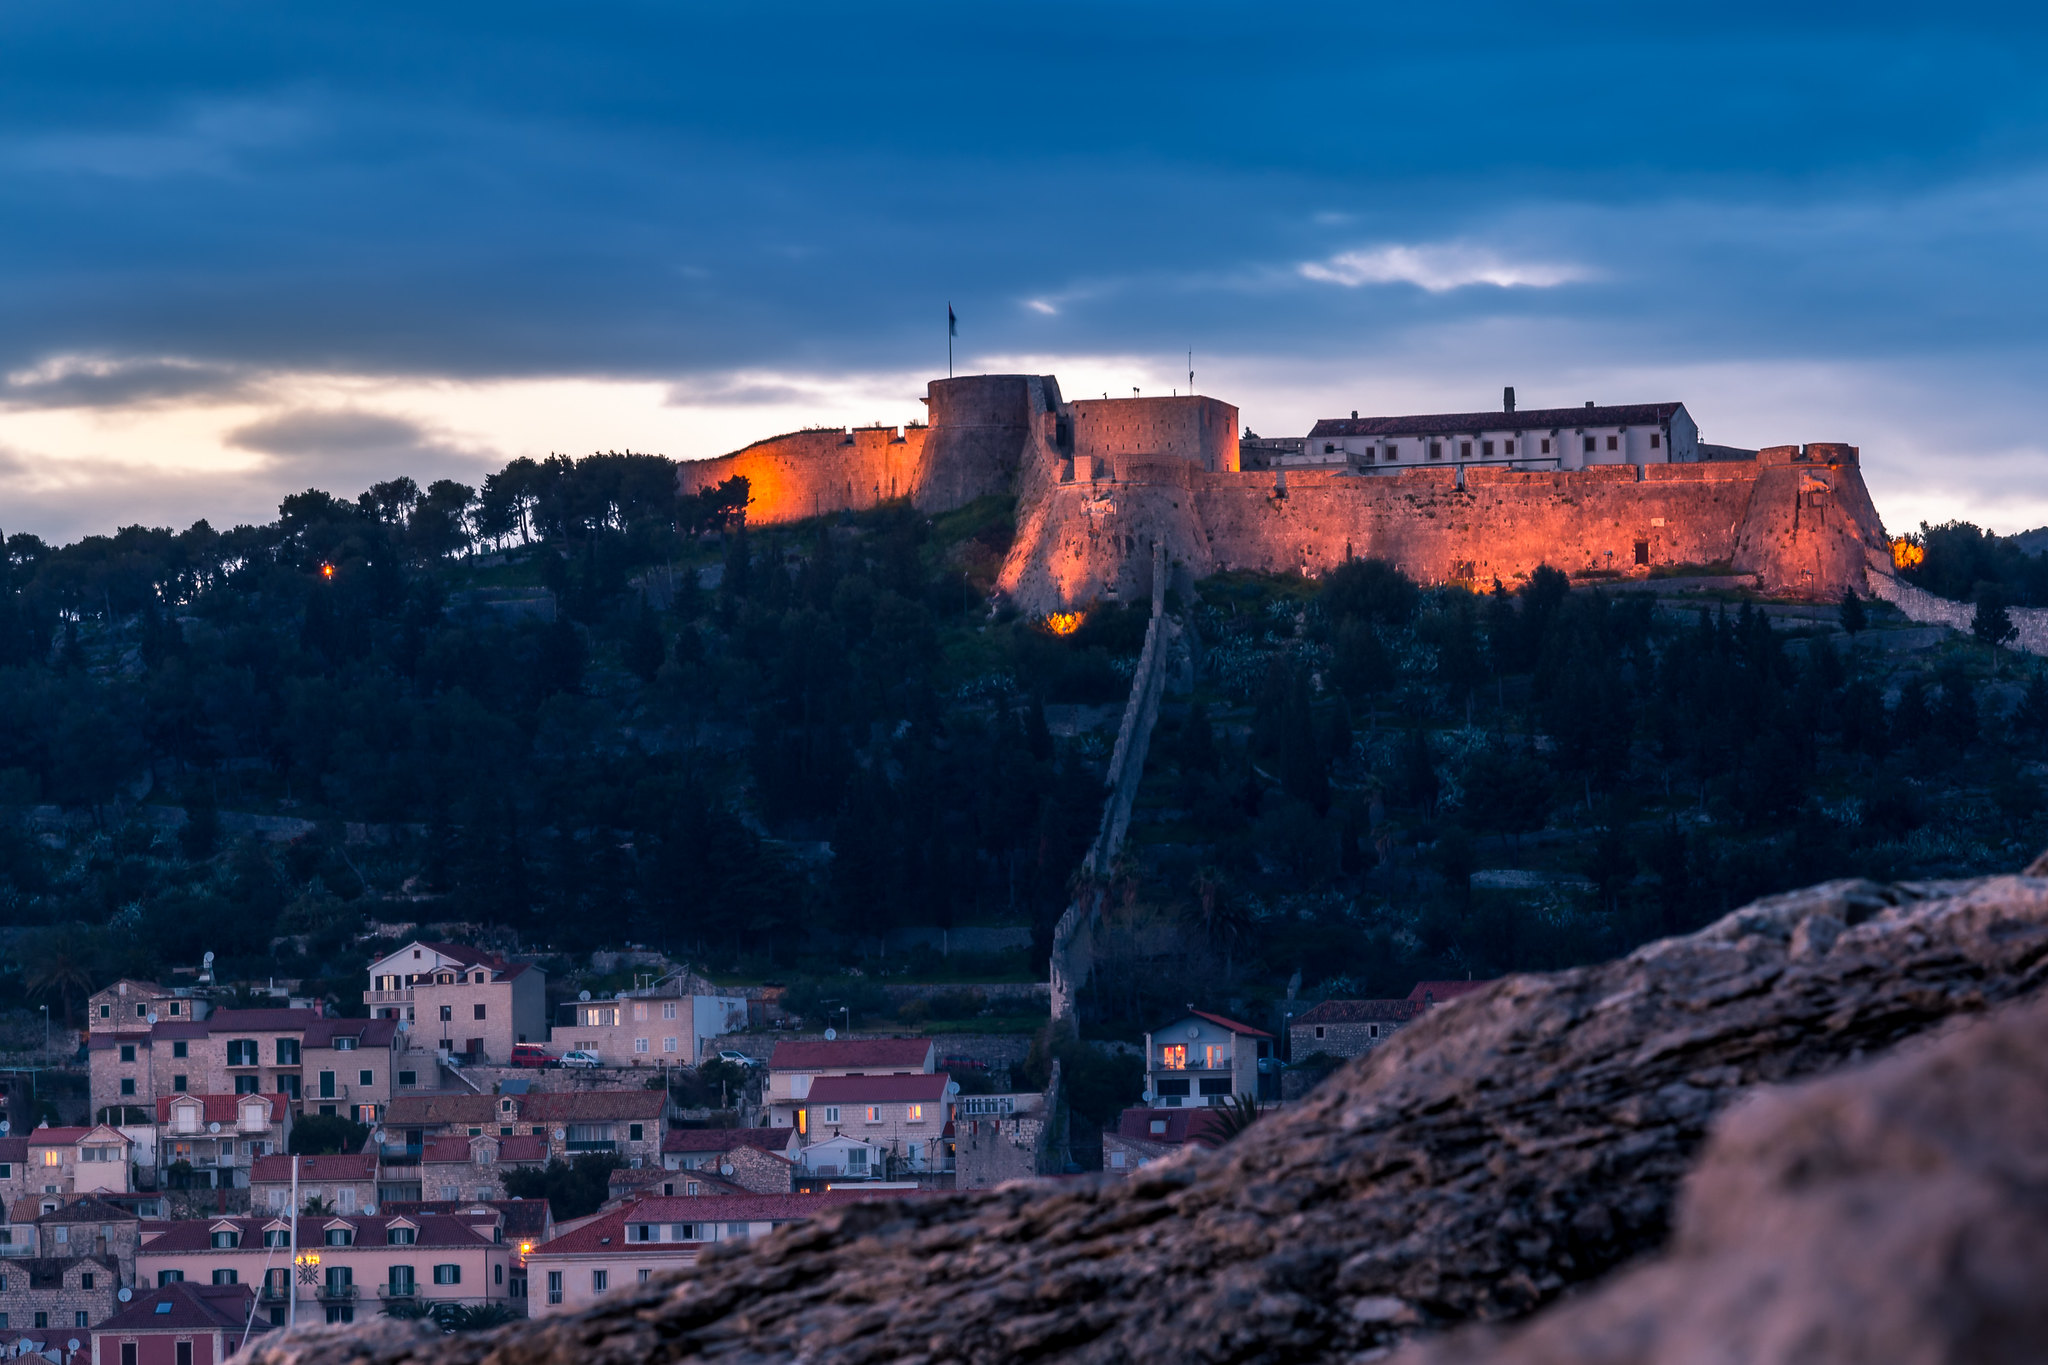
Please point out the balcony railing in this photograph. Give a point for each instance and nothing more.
(18, 1249)
(403, 997)
(271, 1293)
(593, 1145)
(399, 1156)
(336, 1292)
(398, 1291)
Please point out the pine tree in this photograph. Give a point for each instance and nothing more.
(644, 649)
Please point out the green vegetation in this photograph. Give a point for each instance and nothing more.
(572, 1188)
(327, 1135)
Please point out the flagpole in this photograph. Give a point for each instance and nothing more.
(950, 326)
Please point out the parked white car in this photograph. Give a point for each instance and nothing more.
(738, 1058)
(578, 1057)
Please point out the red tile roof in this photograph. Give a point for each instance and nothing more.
(260, 1021)
(523, 1217)
(221, 1109)
(193, 1308)
(368, 1033)
(1529, 419)
(1231, 1024)
(14, 1149)
(58, 1137)
(710, 1208)
(893, 1054)
(560, 1106)
(725, 1139)
(341, 1166)
(89, 1210)
(879, 1089)
(451, 1148)
(1360, 1012)
(435, 1229)
(1182, 1125)
(1427, 993)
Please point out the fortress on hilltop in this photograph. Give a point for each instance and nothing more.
(1457, 497)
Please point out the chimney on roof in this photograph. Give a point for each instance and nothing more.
(1507, 399)
(1354, 414)
(1589, 402)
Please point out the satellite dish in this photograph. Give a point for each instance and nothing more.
(952, 1087)
(378, 1136)
(561, 1134)
(125, 1294)
(1146, 1096)
(152, 1016)
(1194, 1031)
(369, 1210)
(583, 995)
(830, 1034)
(5, 1126)
(725, 1168)
(207, 959)
(71, 1345)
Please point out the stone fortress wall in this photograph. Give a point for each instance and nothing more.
(1100, 482)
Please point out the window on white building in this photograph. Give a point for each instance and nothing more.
(639, 1045)
(874, 1113)
(915, 1114)
(668, 1045)
(668, 1009)
(831, 1114)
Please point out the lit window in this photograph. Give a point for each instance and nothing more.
(916, 1114)
(874, 1113)
(640, 1012)
(1174, 1057)
(50, 1156)
(1216, 1057)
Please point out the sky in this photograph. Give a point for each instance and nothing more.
(249, 248)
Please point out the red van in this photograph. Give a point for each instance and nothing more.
(532, 1054)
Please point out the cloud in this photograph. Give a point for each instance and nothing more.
(335, 433)
(1439, 268)
(104, 382)
(739, 391)
(1041, 306)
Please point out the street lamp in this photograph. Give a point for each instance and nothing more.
(46, 1033)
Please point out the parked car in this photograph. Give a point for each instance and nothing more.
(533, 1054)
(738, 1058)
(578, 1057)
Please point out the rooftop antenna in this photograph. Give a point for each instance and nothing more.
(1191, 374)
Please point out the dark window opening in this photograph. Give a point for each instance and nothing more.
(1642, 552)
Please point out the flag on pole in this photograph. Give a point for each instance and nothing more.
(952, 322)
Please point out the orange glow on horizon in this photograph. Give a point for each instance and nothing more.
(1064, 622)
(1907, 553)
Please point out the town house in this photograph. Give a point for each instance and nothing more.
(345, 1264)
(461, 1002)
(351, 1066)
(63, 1271)
(212, 1141)
(1143, 1136)
(473, 1168)
(760, 1160)
(626, 1122)
(664, 1025)
(129, 1006)
(631, 1245)
(1352, 1028)
(179, 1324)
(242, 1052)
(345, 1182)
(59, 1162)
(1206, 1059)
(797, 1063)
(908, 1118)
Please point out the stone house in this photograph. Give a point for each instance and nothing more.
(634, 1243)
(798, 1062)
(352, 1066)
(353, 1263)
(179, 1324)
(1206, 1059)
(908, 1117)
(998, 1138)
(57, 1162)
(92, 1228)
(1143, 1136)
(216, 1139)
(460, 1001)
(455, 1168)
(129, 1006)
(1347, 1028)
(759, 1160)
(1536, 439)
(345, 1182)
(628, 1122)
(242, 1052)
(1352, 1028)
(50, 1299)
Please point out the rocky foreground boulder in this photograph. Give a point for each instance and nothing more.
(1522, 1143)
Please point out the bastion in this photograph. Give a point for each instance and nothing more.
(1099, 482)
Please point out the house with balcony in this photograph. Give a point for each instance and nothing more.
(345, 1182)
(179, 1324)
(648, 1237)
(351, 1066)
(797, 1063)
(340, 1265)
(626, 1122)
(460, 1002)
(242, 1052)
(664, 1024)
(908, 1119)
(212, 1141)
(1206, 1059)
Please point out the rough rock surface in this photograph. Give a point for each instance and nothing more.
(1526, 1140)
(1898, 1212)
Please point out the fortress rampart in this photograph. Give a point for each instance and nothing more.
(1100, 482)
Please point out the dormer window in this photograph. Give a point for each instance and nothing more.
(401, 1236)
(341, 1237)
(276, 1237)
(225, 1239)
(344, 1045)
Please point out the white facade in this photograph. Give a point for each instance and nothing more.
(1550, 439)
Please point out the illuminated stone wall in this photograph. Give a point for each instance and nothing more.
(809, 473)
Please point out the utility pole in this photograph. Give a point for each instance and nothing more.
(293, 1278)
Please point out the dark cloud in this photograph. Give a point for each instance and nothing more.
(74, 383)
(341, 434)
(717, 391)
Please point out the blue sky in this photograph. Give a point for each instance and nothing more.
(245, 248)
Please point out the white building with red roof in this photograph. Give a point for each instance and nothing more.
(908, 1119)
(633, 1244)
(1208, 1059)
(460, 1001)
(797, 1063)
(212, 1141)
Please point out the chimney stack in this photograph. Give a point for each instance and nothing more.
(1354, 414)
(1507, 399)
(1589, 402)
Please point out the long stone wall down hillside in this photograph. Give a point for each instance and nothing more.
(809, 473)
(1918, 604)
(1803, 528)
(1505, 1150)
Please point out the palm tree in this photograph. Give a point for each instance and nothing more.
(474, 1317)
(1232, 1119)
(59, 963)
